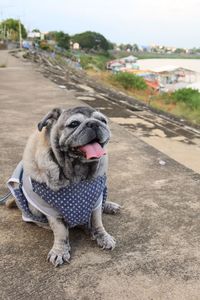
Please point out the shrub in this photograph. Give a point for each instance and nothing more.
(44, 45)
(93, 61)
(128, 81)
(185, 94)
(194, 102)
(85, 61)
(188, 96)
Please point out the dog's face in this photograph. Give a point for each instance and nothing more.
(80, 132)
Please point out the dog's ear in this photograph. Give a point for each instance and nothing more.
(51, 117)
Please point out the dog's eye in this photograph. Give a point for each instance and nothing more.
(74, 124)
(103, 120)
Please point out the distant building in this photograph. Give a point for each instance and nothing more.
(146, 48)
(35, 35)
(188, 51)
(76, 46)
(162, 49)
(121, 64)
(172, 77)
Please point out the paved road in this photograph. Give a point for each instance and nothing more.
(157, 254)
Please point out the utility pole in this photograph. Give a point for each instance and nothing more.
(20, 35)
(4, 33)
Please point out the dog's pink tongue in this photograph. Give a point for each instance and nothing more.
(93, 150)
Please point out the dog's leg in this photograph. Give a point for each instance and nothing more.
(111, 208)
(104, 240)
(61, 248)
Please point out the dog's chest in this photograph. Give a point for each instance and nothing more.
(76, 201)
(84, 171)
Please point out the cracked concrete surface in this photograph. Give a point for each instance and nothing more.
(157, 254)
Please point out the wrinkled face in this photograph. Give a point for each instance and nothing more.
(82, 133)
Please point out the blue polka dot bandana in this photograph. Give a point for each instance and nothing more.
(23, 206)
(74, 202)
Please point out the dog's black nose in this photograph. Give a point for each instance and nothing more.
(92, 124)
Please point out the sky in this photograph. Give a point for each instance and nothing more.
(163, 22)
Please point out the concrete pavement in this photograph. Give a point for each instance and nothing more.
(157, 254)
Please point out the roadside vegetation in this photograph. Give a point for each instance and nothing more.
(129, 81)
(184, 103)
(190, 97)
(96, 62)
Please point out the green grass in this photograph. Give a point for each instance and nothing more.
(182, 110)
(95, 62)
(190, 97)
(184, 103)
(129, 81)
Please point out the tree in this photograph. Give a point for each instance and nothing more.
(179, 51)
(11, 29)
(91, 40)
(129, 47)
(110, 45)
(122, 47)
(35, 30)
(51, 35)
(135, 48)
(62, 39)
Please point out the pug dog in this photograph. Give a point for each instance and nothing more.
(69, 148)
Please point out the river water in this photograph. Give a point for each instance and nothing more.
(192, 64)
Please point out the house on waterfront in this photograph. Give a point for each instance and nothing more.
(121, 64)
(164, 78)
(75, 46)
(172, 77)
(35, 35)
(167, 78)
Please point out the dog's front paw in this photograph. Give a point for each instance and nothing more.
(58, 255)
(105, 241)
(111, 208)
